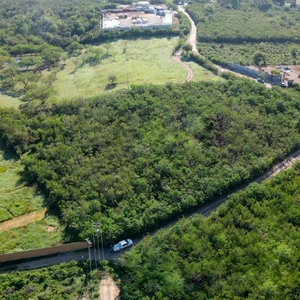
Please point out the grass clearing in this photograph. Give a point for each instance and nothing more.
(16, 198)
(138, 61)
(23, 205)
(43, 233)
(8, 101)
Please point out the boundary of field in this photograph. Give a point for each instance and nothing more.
(23, 220)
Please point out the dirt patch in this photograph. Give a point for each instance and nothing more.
(50, 228)
(108, 290)
(293, 74)
(23, 220)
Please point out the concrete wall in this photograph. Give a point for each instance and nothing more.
(254, 73)
(42, 252)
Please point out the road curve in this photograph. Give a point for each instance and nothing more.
(97, 254)
(190, 74)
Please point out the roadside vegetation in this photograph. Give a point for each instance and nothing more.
(247, 249)
(136, 159)
(244, 53)
(63, 281)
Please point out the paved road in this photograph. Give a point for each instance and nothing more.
(96, 253)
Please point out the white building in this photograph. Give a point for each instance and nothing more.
(110, 24)
(168, 19)
(142, 4)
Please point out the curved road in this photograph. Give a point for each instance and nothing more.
(190, 74)
(97, 253)
(192, 40)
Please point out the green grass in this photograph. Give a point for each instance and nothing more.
(44, 233)
(8, 101)
(200, 73)
(16, 198)
(144, 61)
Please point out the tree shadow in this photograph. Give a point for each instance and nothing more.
(185, 59)
(13, 94)
(8, 154)
(110, 86)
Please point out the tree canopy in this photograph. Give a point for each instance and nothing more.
(248, 249)
(135, 159)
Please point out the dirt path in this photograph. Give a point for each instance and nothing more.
(23, 220)
(192, 39)
(108, 290)
(190, 73)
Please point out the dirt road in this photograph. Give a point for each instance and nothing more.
(192, 39)
(108, 290)
(190, 73)
(23, 220)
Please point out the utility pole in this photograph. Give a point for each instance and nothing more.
(95, 256)
(98, 229)
(89, 243)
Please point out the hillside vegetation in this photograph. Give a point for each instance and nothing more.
(135, 159)
(237, 30)
(248, 249)
(245, 22)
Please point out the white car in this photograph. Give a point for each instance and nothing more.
(122, 245)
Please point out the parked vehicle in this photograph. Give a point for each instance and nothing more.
(122, 245)
(260, 80)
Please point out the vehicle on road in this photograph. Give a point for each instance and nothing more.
(260, 80)
(122, 245)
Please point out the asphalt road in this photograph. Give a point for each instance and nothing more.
(96, 254)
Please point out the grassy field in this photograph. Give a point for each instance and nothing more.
(44, 233)
(16, 198)
(138, 61)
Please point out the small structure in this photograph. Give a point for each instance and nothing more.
(142, 5)
(168, 21)
(110, 24)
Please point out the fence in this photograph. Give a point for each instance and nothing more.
(274, 79)
(42, 252)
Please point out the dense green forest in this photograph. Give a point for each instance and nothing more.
(56, 22)
(236, 30)
(64, 281)
(135, 159)
(248, 249)
(246, 22)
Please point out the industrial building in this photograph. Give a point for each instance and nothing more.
(140, 15)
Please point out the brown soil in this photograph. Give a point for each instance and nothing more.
(50, 228)
(23, 220)
(294, 74)
(108, 290)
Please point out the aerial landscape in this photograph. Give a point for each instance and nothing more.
(149, 150)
